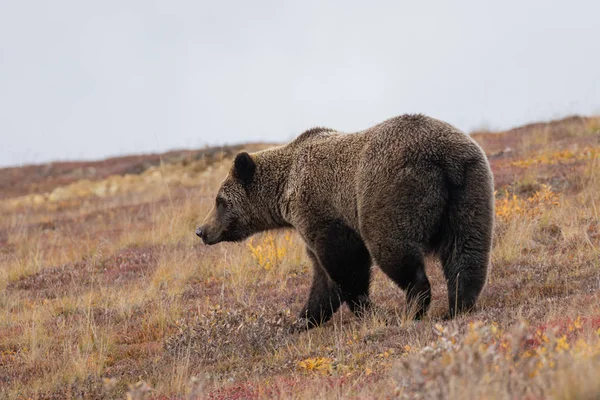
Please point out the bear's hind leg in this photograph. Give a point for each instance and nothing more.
(465, 251)
(466, 275)
(399, 213)
(406, 267)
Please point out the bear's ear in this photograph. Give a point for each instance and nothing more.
(244, 167)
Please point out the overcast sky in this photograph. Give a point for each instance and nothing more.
(91, 79)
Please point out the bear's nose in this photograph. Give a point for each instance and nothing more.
(199, 233)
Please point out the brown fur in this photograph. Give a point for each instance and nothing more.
(386, 195)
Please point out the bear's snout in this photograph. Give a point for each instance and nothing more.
(209, 239)
(201, 233)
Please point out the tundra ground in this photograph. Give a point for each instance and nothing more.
(106, 291)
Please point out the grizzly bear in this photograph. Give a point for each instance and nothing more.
(409, 186)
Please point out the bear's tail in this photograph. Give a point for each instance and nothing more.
(467, 237)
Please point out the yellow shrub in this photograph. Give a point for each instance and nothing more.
(316, 364)
(559, 157)
(511, 206)
(267, 253)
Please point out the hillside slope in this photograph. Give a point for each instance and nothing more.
(106, 290)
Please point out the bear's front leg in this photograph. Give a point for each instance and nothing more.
(342, 253)
(324, 300)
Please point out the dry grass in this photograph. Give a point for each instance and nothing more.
(105, 292)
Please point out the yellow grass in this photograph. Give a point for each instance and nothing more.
(107, 292)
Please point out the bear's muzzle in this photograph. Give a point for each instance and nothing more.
(201, 233)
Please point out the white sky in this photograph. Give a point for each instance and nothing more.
(84, 80)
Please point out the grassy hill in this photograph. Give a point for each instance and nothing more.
(105, 290)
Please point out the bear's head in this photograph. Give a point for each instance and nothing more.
(236, 213)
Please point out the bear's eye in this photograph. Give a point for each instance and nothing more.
(221, 202)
